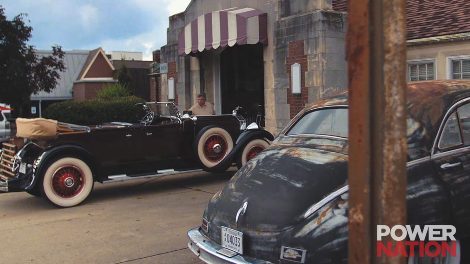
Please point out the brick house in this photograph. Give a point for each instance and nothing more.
(96, 73)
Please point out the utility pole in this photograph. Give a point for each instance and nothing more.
(376, 54)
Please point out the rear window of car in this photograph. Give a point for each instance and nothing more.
(330, 121)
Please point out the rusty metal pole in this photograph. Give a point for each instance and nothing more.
(376, 54)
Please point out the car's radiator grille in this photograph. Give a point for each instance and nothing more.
(7, 159)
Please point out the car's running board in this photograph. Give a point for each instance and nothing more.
(160, 173)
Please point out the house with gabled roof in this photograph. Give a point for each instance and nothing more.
(96, 73)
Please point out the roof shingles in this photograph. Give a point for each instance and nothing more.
(430, 18)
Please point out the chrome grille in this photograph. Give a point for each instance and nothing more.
(7, 161)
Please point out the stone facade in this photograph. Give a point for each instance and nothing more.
(308, 32)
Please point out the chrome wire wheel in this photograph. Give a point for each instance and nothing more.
(215, 148)
(252, 149)
(67, 182)
(212, 145)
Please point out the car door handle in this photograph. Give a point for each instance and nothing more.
(450, 165)
(128, 135)
(148, 133)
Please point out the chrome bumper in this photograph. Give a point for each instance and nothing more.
(3, 185)
(206, 250)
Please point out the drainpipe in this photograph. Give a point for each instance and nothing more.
(376, 55)
(40, 108)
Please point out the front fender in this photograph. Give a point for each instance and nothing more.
(42, 162)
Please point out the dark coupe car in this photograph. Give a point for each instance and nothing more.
(290, 203)
(63, 165)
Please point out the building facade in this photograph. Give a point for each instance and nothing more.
(271, 55)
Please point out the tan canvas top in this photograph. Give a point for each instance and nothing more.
(36, 128)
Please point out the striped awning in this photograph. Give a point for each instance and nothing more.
(224, 28)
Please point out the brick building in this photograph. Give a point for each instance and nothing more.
(253, 52)
(283, 54)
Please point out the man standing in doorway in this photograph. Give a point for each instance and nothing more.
(202, 107)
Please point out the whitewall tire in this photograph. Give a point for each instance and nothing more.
(252, 149)
(67, 182)
(212, 146)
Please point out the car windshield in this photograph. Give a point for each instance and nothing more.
(163, 108)
(330, 121)
(7, 115)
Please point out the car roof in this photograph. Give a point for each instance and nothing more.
(427, 103)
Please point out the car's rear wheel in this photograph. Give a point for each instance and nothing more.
(252, 149)
(212, 145)
(448, 259)
(67, 182)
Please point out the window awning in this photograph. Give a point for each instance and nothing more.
(224, 28)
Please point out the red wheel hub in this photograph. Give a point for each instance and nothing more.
(253, 152)
(215, 148)
(67, 182)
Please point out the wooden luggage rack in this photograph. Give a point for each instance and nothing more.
(7, 159)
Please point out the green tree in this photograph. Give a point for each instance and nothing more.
(112, 91)
(22, 72)
(124, 77)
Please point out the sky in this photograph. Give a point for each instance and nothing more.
(114, 25)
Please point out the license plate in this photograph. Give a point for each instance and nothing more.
(23, 168)
(232, 239)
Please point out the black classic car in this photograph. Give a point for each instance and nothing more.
(290, 203)
(62, 161)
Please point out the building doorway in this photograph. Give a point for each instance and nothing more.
(242, 79)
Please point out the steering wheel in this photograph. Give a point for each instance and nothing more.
(149, 115)
(148, 118)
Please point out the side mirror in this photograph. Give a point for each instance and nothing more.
(190, 113)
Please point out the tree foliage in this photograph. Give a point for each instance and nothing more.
(111, 91)
(22, 71)
(124, 77)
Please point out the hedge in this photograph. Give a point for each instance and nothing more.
(92, 112)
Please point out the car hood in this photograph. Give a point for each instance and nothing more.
(280, 184)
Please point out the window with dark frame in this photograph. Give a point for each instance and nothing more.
(421, 71)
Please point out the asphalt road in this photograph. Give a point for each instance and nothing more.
(142, 221)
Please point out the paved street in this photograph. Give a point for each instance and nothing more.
(143, 221)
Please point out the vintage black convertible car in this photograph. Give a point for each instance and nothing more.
(62, 161)
(290, 203)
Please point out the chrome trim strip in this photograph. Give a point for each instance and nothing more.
(417, 161)
(441, 126)
(326, 200)
(206, 250)
(3, 184)
(451, 152)
(317, 136)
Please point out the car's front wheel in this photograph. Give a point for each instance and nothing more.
(212, 145)
(252, 149)
(67, 182)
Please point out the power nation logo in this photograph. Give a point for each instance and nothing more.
(421, 241)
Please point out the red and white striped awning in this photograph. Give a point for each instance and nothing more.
(224, 28)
